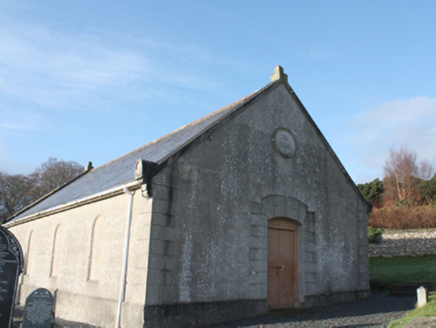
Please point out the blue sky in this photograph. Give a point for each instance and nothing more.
(93, 80)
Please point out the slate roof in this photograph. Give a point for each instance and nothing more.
(121, 170)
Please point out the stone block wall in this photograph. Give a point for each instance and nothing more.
(407, 242)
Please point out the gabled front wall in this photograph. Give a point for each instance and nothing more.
(210, 216)
(78, 255)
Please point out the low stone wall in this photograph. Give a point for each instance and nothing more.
(405, 242)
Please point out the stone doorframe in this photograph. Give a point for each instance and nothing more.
(274, 206)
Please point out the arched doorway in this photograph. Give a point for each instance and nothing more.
(282, 263)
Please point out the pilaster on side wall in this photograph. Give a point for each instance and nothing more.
(160, 281)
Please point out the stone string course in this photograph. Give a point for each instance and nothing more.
(407, 242)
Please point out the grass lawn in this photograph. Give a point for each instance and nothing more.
(428, 310)
(387, 271)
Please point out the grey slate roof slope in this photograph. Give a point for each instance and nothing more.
(121, 170)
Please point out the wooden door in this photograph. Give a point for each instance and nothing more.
(282, 263)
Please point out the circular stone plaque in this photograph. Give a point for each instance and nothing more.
(284, 142)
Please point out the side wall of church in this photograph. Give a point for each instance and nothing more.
(78, 255)
(211, 209)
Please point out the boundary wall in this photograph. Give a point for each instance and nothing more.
(405, 242)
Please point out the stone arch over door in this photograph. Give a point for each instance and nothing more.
(279, 206)
(275, 206)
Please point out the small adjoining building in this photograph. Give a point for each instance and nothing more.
(240, 212)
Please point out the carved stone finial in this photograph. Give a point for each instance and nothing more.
(279, 75)
(89, 167)
(139, 169)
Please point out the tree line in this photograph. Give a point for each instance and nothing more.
(406, 197)
(406, 182)
(18, 191)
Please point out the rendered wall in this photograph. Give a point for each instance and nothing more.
(77, 254)
(211, 209)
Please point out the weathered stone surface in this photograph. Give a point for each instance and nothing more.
(421, 294)
(409, 242)
(38, 310)
(11, 265)
(92, 301)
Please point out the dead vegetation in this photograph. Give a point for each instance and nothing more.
(396, 217)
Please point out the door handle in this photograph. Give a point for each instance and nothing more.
(279, 268)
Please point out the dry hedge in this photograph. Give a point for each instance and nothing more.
(394, 217)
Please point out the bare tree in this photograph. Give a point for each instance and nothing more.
(18, 191)
(15, 193)
(399, 170)
(53, 173)
(426, 170)
(402, 173)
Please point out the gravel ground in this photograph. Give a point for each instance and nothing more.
(376, 311)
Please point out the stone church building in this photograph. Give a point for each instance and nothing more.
(243, 211)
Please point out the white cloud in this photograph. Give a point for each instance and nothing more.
(57, 70)
(52, 69)
(410, 123)
(45, 73)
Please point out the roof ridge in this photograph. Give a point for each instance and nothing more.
(158, 151)
(236, 103)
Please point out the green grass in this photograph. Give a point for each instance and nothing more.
(387, 271)
(428, 310)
